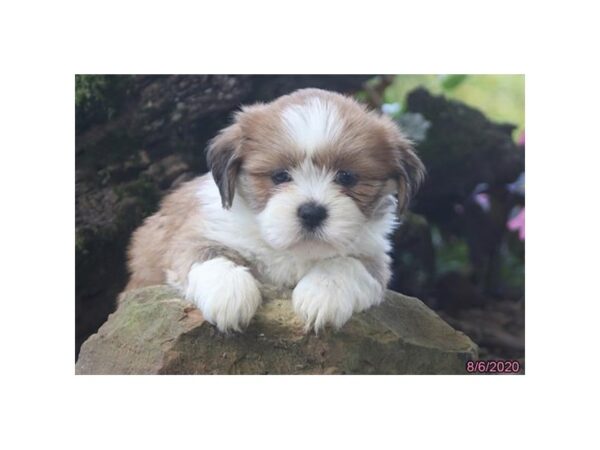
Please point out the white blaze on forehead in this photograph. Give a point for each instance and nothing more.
(314, 183)
(312, 124)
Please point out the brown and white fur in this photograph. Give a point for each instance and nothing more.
(220, 235)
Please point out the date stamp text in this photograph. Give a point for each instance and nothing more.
(493, 366)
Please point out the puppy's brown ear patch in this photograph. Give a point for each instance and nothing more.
(411, 176)
(408, 168)
(224, 160)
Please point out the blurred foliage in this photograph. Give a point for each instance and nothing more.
(512, 267)
(500, 97)
(452, 253)
(98, 98)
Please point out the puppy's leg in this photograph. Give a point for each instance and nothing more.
(332, 290)
(226, 293)
(219, 282)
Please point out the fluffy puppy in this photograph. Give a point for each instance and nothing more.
(303, 193)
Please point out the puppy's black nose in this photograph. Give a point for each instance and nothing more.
(311, 215)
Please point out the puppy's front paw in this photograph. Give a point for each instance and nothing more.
(319, 302)
(332, 291)
(226, 293)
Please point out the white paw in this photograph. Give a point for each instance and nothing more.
(227, 294)
(332, 291)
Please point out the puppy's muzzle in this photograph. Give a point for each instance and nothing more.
(312, 215)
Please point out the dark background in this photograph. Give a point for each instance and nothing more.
(137, 137)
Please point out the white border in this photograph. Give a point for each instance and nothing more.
(45, 43)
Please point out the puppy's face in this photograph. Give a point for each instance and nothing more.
(315, 167)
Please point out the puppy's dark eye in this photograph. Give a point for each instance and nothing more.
(346, 178)
(281, 176)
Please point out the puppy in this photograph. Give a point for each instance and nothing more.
(303, 194)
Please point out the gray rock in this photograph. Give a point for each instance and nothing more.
(154, 331)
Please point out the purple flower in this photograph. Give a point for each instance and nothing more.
(517, 223)
(483, 200)
(517, 186)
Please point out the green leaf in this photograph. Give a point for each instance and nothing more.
(450, 82)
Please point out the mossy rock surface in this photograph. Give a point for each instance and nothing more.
(154, 331)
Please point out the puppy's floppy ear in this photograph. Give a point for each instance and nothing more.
(224, 160)
(408, 168)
